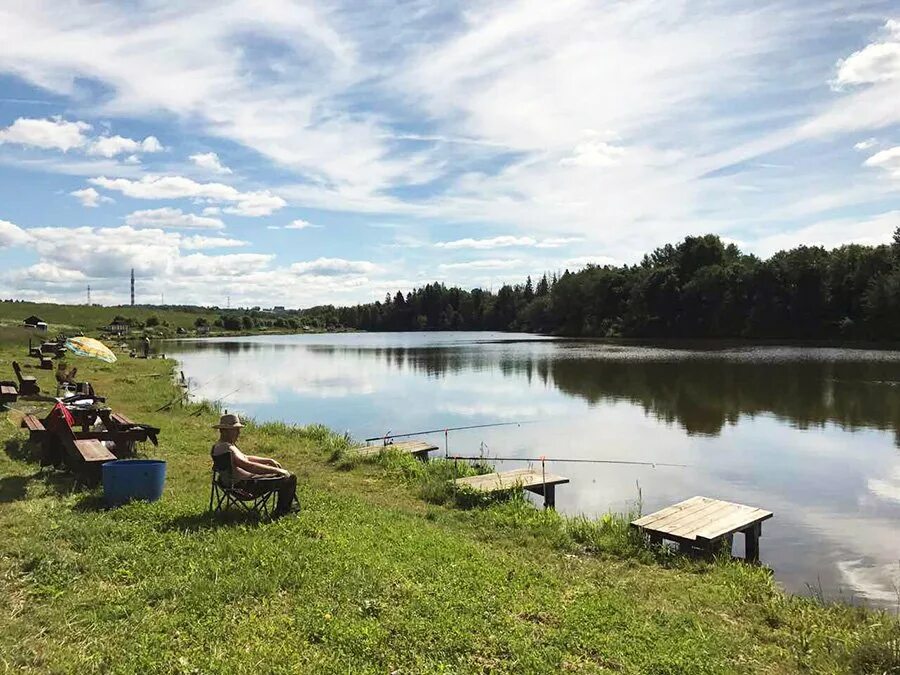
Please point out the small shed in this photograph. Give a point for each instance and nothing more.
(35, 322)
(117, 327)
(202, 330)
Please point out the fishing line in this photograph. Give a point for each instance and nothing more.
(446, 429)
(565, 459)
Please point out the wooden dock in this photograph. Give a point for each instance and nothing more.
(418, 449)
(701, 524)
(533, 480)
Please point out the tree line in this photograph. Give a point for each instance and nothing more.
(698, 288)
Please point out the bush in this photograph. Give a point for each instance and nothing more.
(152, 320)
(231, 322)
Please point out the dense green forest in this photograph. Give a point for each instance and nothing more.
(698, 288)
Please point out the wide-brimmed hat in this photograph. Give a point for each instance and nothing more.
(228, 421)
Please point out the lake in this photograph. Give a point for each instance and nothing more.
(811, 434)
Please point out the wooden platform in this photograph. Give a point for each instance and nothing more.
(703, 523)
(419, 449)
(531, 479)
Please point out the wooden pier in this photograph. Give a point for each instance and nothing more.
(701, 524)
(533, 480)
(418, 449)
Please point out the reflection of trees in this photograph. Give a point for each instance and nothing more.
(704, 394)
(700, 394)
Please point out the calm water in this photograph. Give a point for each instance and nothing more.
(811, 434)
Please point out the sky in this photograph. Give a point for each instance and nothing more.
(273, 152)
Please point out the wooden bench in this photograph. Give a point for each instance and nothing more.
(28, 385)
(39, 436)
(534, 480)
(33, 424)
(83, 451)
(418, 449)
(46, 363)
(8, 392)
(702, 524)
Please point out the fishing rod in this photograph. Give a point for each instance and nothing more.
(564, 459)
(443, 430)
(217, 401)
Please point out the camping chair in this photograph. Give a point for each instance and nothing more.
(224, 495)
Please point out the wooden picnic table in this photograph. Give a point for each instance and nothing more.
(83, 451)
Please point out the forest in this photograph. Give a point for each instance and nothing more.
(698, 288)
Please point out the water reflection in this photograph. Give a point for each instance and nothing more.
(811, 434)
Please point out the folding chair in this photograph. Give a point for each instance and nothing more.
(224, 495)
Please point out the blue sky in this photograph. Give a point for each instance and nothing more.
(296, 153)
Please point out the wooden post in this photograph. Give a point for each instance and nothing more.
(549, 496)
(751, 539)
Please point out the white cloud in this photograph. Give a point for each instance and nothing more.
(594, 152)
(505, 241)
(211, 211)
(328, 267)
(89, 197)
(168, 217)
(256, 203)
(55, 133)
(870, 231)
(48, 273)
(12, 235)
(557, 242)
(111, 146)
(210, 161)
(585, 260)
(489, 264)
(889, 160)
(216, 267)
(299, 225)
(867, 144)
(876, 62)
(484, 244)
(199, 242)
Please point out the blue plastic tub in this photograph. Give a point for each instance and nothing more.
(125, 480)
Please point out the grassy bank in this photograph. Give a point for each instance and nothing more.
(382, 571)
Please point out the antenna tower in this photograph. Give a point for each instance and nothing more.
(132, 287)
(89, 295)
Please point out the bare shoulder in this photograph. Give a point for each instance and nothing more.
(222, 447)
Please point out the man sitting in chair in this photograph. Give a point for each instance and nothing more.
(256, 475)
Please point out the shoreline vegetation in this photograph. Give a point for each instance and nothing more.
(385, 569)
(698, 289)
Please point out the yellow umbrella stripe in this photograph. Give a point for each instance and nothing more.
(86, 346)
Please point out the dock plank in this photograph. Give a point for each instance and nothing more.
(657, 516)
(741, 520)
(507, 480)
(408, 447)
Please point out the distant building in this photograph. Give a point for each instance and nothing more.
(278, 308)
(202, 330)
(35, 322)
(116, 327)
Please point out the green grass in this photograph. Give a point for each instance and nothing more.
(380, 572)
(89, 319)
